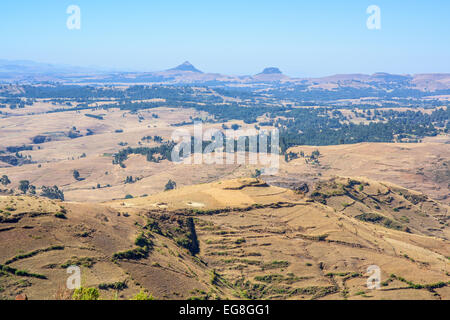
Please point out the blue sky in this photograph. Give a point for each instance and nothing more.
(302, 38)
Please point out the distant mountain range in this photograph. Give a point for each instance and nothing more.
(32, 67)
(186, 73)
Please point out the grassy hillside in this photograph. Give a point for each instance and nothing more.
(233, 239)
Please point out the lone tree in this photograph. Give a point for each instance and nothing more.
(235, 126)
(257, 173)
(4, 180)
(24, 185)
(170, 185)
(76, 174)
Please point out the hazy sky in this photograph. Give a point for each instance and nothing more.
(302, 38)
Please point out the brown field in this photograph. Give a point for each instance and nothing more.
(383, 204)
(417, 166)
(256, 242)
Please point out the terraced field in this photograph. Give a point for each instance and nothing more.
(236, 239)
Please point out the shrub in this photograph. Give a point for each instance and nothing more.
(24, 273)
(86, 294)
(214, 277)
(142, 296)
(142, 241)
(4, 180)
(76, 174)
(275, 265)
(381, 220)
(133, 254)
(153, 226)
(33, 253)
(75, 261)
(170, 185)
(144, 245)
(270, 278)
(120, 285)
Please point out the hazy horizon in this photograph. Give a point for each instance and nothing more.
(106, 69)
(302, 39)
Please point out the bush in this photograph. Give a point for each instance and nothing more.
(133, 254)
(170, 185)
(142, 241)
(4, 180)
(214, 279)
(33, 253)
(76, 174)
(75, 261)
(142, 296)
(116, 286)
(86, 294)
(153, 226)
(381, 220)
(275, 265)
